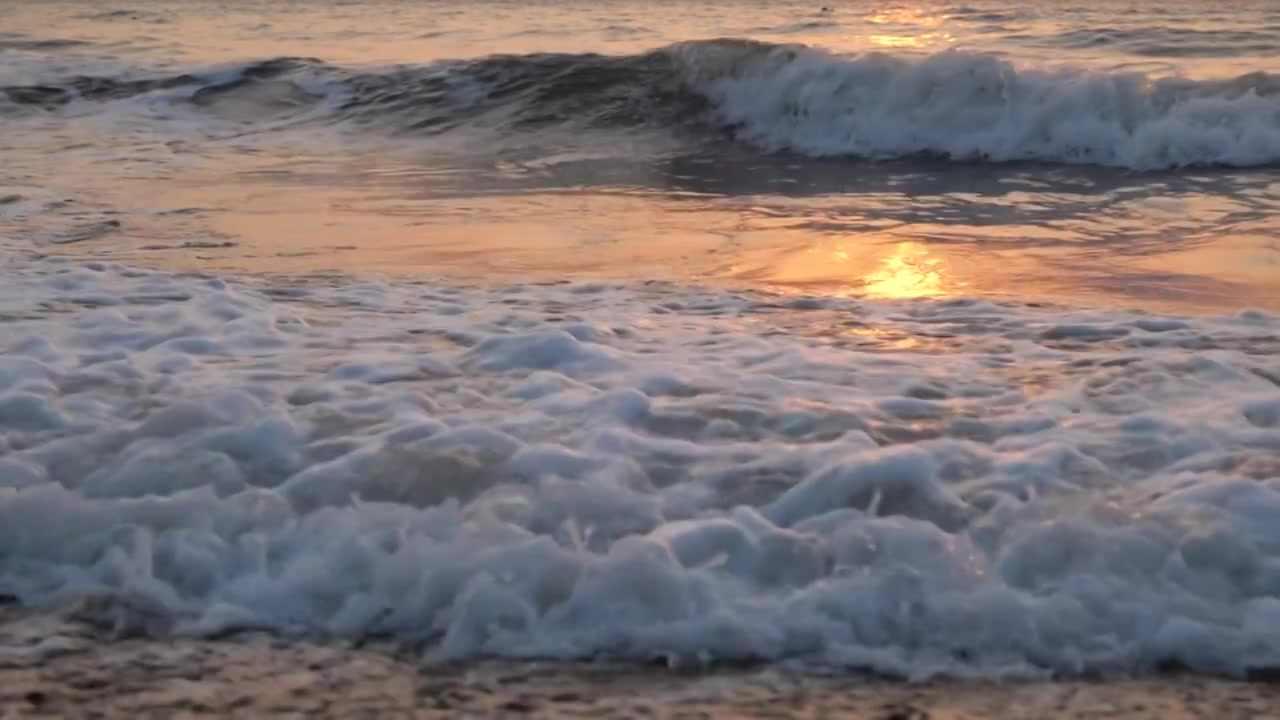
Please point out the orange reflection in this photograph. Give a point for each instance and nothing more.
(877, 267)
(909, 41)
(915, 19)
(920, 17)
(909, 272)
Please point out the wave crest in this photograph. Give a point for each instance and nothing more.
(975, 107)
(966, 107)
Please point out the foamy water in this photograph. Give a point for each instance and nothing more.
(922, 339)
(577, 470)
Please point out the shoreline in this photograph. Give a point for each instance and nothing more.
(51, 666)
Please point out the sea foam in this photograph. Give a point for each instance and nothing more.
(973, 107)
(641, 472)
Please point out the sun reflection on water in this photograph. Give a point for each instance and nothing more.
(913, 21)
(909, 41)
(910, 271)
(897, 15)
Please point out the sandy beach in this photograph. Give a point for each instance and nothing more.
(53, 667)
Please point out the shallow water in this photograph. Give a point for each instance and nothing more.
(1026, 151)
(925, 338)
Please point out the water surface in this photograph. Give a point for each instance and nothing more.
(1095, 151)
(924, 338)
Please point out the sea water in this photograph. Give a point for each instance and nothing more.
(918, 337)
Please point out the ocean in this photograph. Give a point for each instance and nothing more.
(923, 338)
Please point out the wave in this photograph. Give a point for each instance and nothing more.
(961, 106)
(976, 107)
(545, 472)
(93, 88)
(20, 42)
(1162, 41)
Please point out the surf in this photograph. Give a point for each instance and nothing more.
(776, 98)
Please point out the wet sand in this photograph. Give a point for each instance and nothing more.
(52, 667)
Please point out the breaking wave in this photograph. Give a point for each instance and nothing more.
(965, 107)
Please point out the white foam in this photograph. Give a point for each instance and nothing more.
(977, 107)
(574, 471)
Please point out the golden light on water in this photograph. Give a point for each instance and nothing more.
(918, 16)
(910, 271)
(917, 34)
(869, 265)
(909, 41)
